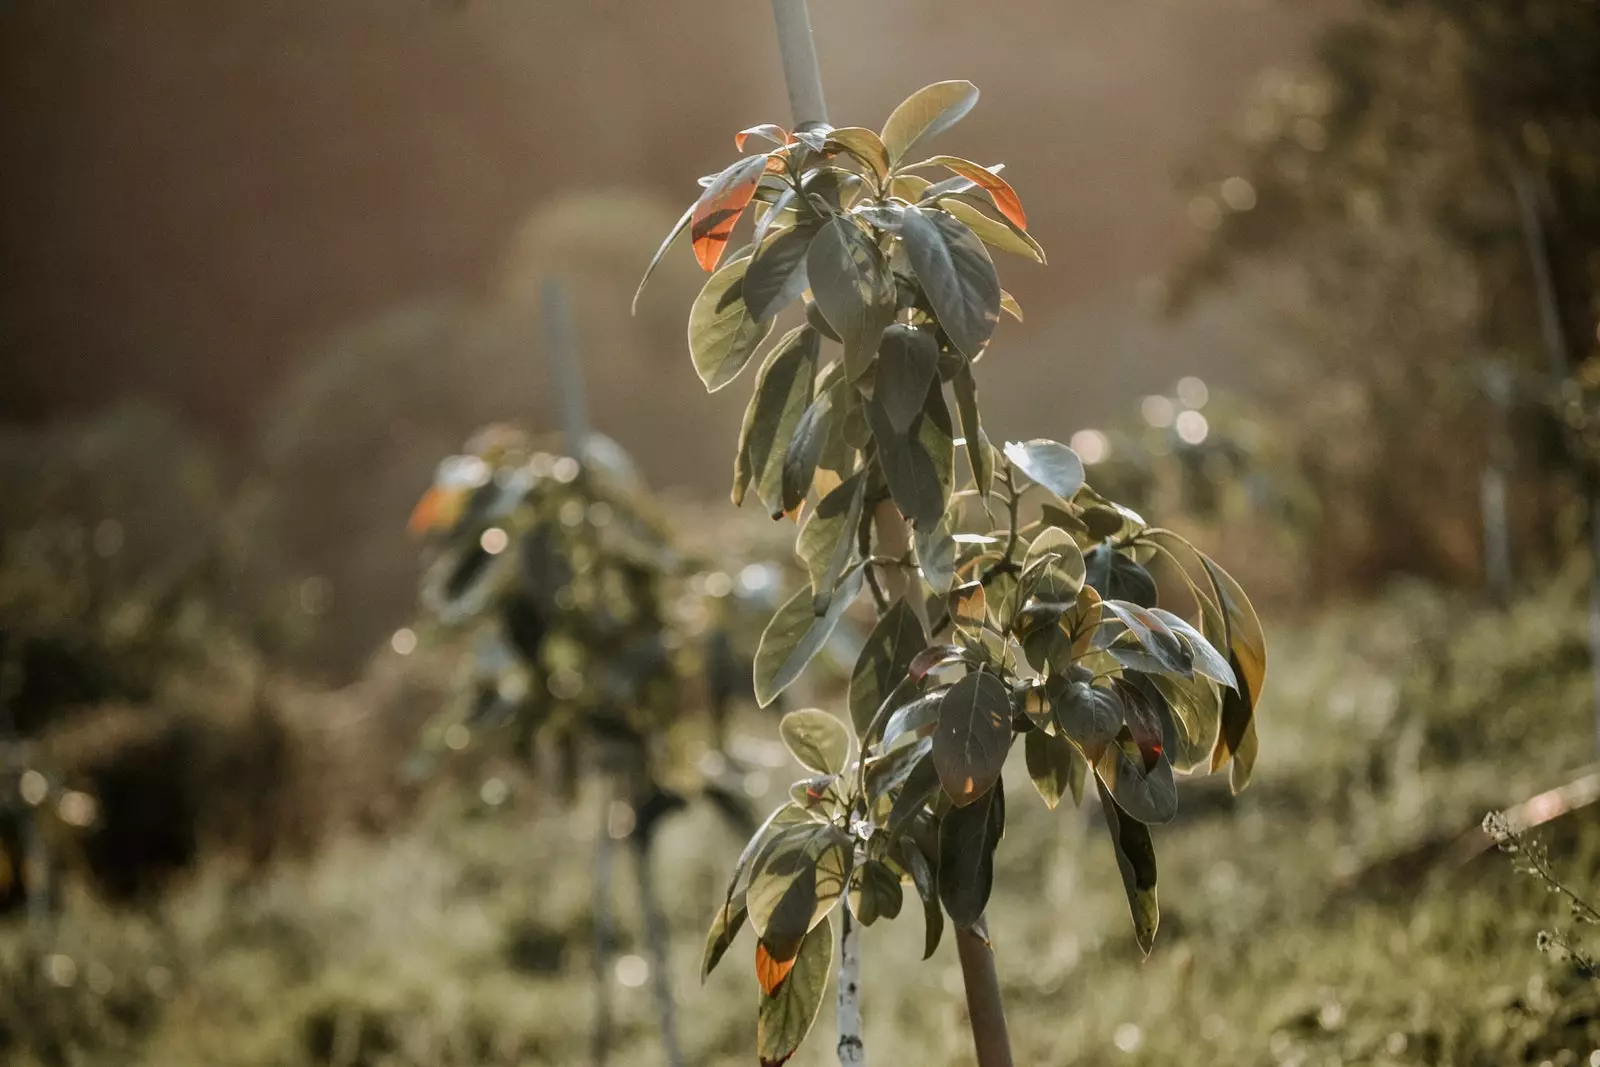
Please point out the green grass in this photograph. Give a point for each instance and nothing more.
(464, 941)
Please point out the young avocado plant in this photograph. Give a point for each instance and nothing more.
(565, 577)
(1019, 603)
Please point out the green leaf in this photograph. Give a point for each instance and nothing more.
(796, 880)
(1207, 660)
(725, 926)
(1116, 577)
(917, 714)
(1136, 859)
(974, 735)
(723, 335)
(1147, 794)
(979, 453)
(827, 540)
(777, 273)
(875, 892)
(927, 113)
(936, 550)
(794, 636)
(884, 663)
(992, 231)
(1169, 653)
(1055, 766)
(956, 274)
(853, 288)
(864, 145)
(782, 394)
(889, 772)
(1247, 656)
(967, 840)
(818, 740)
(785, 1017)
(908, 358)
(1050, 464)
(1089, 715)
(923, 877)
(920, 787)
(1056, 566)
(805, 446)
(661, 253)
(918, 466)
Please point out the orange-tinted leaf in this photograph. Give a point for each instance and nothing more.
(771, 972)
(1005, 198)
(769, 130)
(438, 508)
(720, 206)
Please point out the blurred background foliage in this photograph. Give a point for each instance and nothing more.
(262, 266)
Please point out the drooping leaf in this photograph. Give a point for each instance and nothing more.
(965, 387)
(782, 394)
(719, 207)
(875, 892)
(794, 636)
(794, 882)
(1009, 305)
(805, 445)
(827, 539)
(887, 773)
(1154, 636)
(884, 662)
(723, 335)
(920, 787)
(853, 288)
(908, 357)
(725, 926)
(818, 740)
(927, 113)
(956, 273)
(787, 1012)
(1050, 464)
(934, 657)
(1246, 648)
(864, 145)
(1145, 793)
(973, 737)
(1055, 766)
(777, 273)
(922, 876)
(1090, 715)
(661, 253)
(1196, 705)
(967, 839)
(1000, 191)
(915, 474)
(992, 231)
(1136, 859)
(936, 550)
(1205, 658)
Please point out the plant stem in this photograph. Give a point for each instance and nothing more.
(655, 939)
(852, 1050)
(985, 1008)
(600, 1038)
(801, 74)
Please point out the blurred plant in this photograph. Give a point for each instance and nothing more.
(1401, 183)
(1042, 623)
(1529, 856)
(564, 577)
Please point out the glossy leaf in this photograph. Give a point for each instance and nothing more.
(908, 357)
(795, 881)
(782, 394)
(1246, 648)
(967, 839)
(805, 446)
(1136, 860)
(920, 787)
(1056, 566)
(921, 713)
(794, 636)
(1116, 577)
(908, 187)
(1050, 464)
(956, 274)
(1055, 767)
(1090, 715)
(766, 130)
(787, 1012)
(936, 551)
(992, 231)
(925, 114)
(884, 662)
(719, 207)
(918, 466)
(1153, 635)
(1146, 793)
(1009, 305)
(725, 926)
(1204, 656)
(923, 877)
(973, 736)
(864, 145)
(887, 773)
(827, 540)
(661, 253)
(853, 288)
(818, 740)
(1005, 198)
(723, 335)
(979, 452)
(875, 892)
(776, 275)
